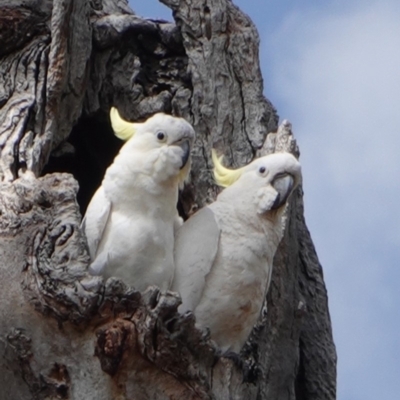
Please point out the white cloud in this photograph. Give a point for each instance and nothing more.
(336, 76)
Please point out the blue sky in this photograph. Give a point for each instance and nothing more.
(333, 69)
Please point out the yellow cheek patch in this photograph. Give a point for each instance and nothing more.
(224, 176)
(123, 130)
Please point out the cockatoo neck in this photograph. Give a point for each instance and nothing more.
(126, 184)
(242, 198)
(242, 202)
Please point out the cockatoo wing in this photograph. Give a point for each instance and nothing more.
(95, 220)
(196, 246)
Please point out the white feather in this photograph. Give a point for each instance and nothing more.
(224, 253)
(131, 220)
(95, 220)
(196, 246)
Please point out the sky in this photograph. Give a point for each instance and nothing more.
(333, 69)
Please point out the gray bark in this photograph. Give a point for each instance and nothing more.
(66, 335)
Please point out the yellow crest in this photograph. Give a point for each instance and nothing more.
(123, 130)
(224, 176)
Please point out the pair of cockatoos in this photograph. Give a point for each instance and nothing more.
(220, 260)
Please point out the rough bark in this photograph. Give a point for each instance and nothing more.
(66, 335)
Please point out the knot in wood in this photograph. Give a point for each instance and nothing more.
(112, 341)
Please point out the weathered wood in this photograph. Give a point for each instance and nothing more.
(43, 83)
(40, 233)
(227, 106)
(64, 334)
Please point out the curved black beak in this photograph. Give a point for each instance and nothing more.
(185, 146)
(283, 185)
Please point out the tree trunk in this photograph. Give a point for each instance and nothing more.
(67, 335)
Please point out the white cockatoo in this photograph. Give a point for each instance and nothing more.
(224, 252)
(131, 219)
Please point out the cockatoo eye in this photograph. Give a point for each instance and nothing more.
(161, 136)
(262, 170)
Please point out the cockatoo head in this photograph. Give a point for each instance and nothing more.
(268, 181)
(161, 145)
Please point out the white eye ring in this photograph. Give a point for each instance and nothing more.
(161, 136)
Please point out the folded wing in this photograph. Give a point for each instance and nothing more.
(95, 221)
(196, 246)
